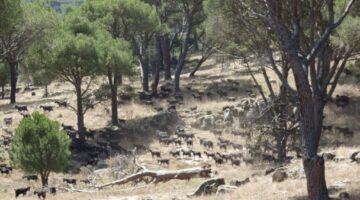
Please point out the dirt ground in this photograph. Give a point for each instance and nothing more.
(260, 187)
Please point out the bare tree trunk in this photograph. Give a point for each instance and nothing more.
(13, 81)
(182, 59)
(80, 113)
(46, 91)
(3, 92)
(165, 47)
(156, 67)
(201, 61)
(114, 104)
(44, 179)
(145, 76)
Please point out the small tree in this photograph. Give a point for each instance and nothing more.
(40, 146)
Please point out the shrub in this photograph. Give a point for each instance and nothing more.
(40, 146)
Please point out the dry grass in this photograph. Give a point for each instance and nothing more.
(260, 187)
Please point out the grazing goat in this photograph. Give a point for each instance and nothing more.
(345, 131)
(69, 181)
(30, 177)
(195, 153)
(327, 128)
(22, 191)
(41, 193)
(85, 181)
(47, 108)
(186, 153)
(165, 162)
(189, 142)
(208, 154)
(6, 169)
(235, 162)
(342, 101)
(175, 153)
(21, 108)
(8, 120)
(62, 103)
(155, 153)
(223, 145)
(217, 132)
(218, 160)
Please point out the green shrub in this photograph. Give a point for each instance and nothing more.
(40, 146)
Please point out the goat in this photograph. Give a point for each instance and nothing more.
(177, 142)
(172, 108)
(8, 120)
(22, 191)
(195, 153)
(6, 170)
(218, 160)
(47, 108)
(30, 177)
(345, 131)
(21, 108)
(164, 162)
(342, 101)
(327, 128)
(208, 144)
(222, 145)
(235, 162)
(41, 193)
(175, 153)
(217, 132)
(155, 153)
(62, 103)
(208, 154)
(237, 146)
(189, 142)
(24, 114)
(67, 127)
(186, 153)
(85, 181)
(69, 181)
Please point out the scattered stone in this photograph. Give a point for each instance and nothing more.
(279, 176)
(223, 189)
(238, 183)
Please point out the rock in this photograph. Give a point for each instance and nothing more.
(222, 189)
(279, 176)
(344, 195)
(238, 183)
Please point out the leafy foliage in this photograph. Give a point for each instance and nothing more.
(40, 146)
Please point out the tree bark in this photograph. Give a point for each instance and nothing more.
(192, 73)
(46, 91)
(156, 67)
(165, 48)
(44, 179)
(145, 76)
(3, 92)
(114, 104)
(80, 113)
(13, 81)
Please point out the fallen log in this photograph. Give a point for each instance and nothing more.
(152, 176)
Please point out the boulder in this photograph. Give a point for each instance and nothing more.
(239, 183)
(279, 176)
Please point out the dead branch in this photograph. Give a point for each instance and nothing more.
(153, 176)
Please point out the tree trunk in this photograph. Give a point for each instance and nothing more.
(3, 92)
(13, 81)
(145, 76)
(196, 41)
(182, 59)
(80, 113)
(156, 67)
(46, 91)
(165, 48)
(44, 179)
(114, 104)
(311, 120)
(201, 61)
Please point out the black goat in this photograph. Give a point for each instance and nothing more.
(21, 108)
(62, 103)
(22, 191)
(30, 177)
(47, 108)
(69, 180)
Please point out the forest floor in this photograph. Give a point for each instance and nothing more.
(338, 172)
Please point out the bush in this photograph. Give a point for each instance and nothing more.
(40, 146)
